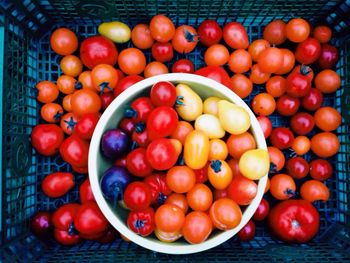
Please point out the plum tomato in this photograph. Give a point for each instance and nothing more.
(85, 192)
(57, 184)
(235, 35)
(142, 222)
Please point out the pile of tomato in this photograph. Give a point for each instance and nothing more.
(293, 62)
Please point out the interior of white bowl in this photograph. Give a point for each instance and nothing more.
(98, 163)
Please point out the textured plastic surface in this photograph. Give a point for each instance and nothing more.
(27, 58)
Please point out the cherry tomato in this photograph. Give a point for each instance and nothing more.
(47, 91)
(57, 184)
(238, 144)
(242, 190)
(197, 227)
(106, 99)
(297, 167)
(183, 66)
(104, 77)
(64, 216)
(85, 101)
(276, 86)
(200, 197)
(127, 125)
(327, 118)
(185, 39)
(314, 190)
(287, 105)
(325, 144)
(216, 55)
(85, 192)
(327, 81)
(240, 61)
(163, 93)
(167, 237)
(298, 85)
(63, 41)
(215, 73)
(71, 65)
(241, 85)
(169, 218)
(85, 80)
(98, 50)
(180, 179)
(297, 30)
(142, 222)
(162, 122)
(254, 164)
(267, 187)
(234, 165)
(281, 138)
(115, 144)
(141, 36)
(66, 84)
(256, 47)
(263, 104)
(140, 109)
(247, 233)
(183, 128)
(202, 174)
(218, 150)
(225, 214)
(270, 60)
(138, 164)
(265, 124)
(313, 100)
(288, 62)
(196, 149)
(41, 224)
(220, 194)
(219, 174)
(125, 83)
(161, 154)
(282, 186)
(155, 68)
(162, 28)
(159, 189)
(321, 169)
(120, 162)
(140, 137)
(322, 34)
(329, 56)
(179, 200)
(235, 35)
(301, 145)
(66, 102)
(262, 211)
(86, 125)
(90, 220)
(51, 112)
(65, 238)
(257, 76)
(74, 151)
(162, 52)
(210, 105)
(209, 32)
(308, 51)
(47, 139)
(302, 123)
(109, 236)
(277, 158)
(304, 70)
(132, 61)
(137, 196)
(274, 32)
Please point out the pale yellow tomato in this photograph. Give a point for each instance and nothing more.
(217, 150)
(167, 237)
(254, 164)
(116, 31)
(191, 104)
(234, 119)
(210, 105)
(210, 125)
(196, 149)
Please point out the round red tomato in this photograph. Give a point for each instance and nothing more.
(127, 125)
(163, 93)
(276, 86)
(161, 154)
(200, 197)
(270, 60)
(308, 51)
(47, 138)
(298, 85)
(235, 35)
(287, 105)
(86, 125)
(64, 216)
(85, 192)
(215, 73)
(217, 55)
(297, 30)
(262, 211)
(202, 174)
(140, 109)
(209, 32)
(325, 144)
(74, 151)
(302, 123)
(263, 104)
(197, 227)
(63, 41)
(185, 39)
(106, 99)
(297, 167)
(57, 184)
(282, 138)
(104, 77)
(322, 33)
(313, 190)
(90, 220)
(155, 68)
(41, 224)
(142, 222)
(329, 56)
(183, 66)
(159, 189)
(242, 190)
(140, 137)
(327, 81)
(321, 169)
(66, 238)
(282, 186)
(162, 52)
(126, 82)
(162, 122)
(241, 85)
(71, 65)
(247, 233)
(178, 200)
(327, 118)
(137, 163)
(137, 196)
(266, 125)
(51, 112)
(313, 100)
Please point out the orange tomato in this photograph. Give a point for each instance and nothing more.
(288, 62)
(217, 150)
(238, 144)
(85, 80)
(85, 101)
(327, 81)
(270, 60)
(155, 68)
(282, 186)
(225, 214)
(68, 122)
(267, 187)
(66, 84)
(256, 47)
(276, 86)
(132, 61)
(196, 149)
(51, 112)
(141, 36)
(167, 237)
(104, 77)
(274, 32)
(66, 103)
(325, 144)
(63, 41)
(241, 85)
(314, 190)
(216, 55)
(301, 145)
(185, 39)
(240, 61)
(169, 218)
(177, 145)
(162, 28)
(179, 200)
(219, 174)
(47, 91)
(180, 179)
(263, 104)
(183, 128)
(276, 158)
(200, 197)
(322, 34)
(197, 227)
(327, 118)
(257, 76)
(71, 65)
(297, 30)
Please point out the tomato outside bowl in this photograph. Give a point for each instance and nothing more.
(117, 216)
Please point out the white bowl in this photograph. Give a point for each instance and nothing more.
(205, 87)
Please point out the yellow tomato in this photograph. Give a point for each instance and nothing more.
(234, 119)
(191, 104)
(254, 164)
(217, 150)
(167, 237)
(210, 125)
(219, 174)
(196, 149)
(116, 31)
(210, 105)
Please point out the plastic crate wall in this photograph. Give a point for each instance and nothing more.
(25, 27)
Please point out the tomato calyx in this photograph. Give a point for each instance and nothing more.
(78, 85)
(304, 70)
(104, 85)
(161, 198)
(130, 113)
(216, 166)
(72, 230)
(273, 168)
(58, 116)
(289, 192)
(140, 127)
(180, 161)
(179, 101)
(291, 153)
(190, 37)
(134, 145)
(71, 123)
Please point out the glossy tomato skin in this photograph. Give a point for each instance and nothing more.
(162, 28)
(140, 109)
(125, 83)
(74, 151)
(65, 238)
(183, 66)
(302, 123)
(313, 100)
(329, 56)
(115, 144)
(235, 35)
(266, 125)
(162, 122)
(308, 51)
(142, 222)
(137, 163)
(85, 192)
(98, 50)
(47, 91)
(90, 220)
(127, 125)
(294, 221)
(247, 233)
(86, 125)
(185, 39)
(287, 105)
(159, 189)
(281, 138)
(64, 216)
(298, 85)
(321, 169)
(161, 154)
(162, 52)
(197, 227)
(113, 182)
(215, 73)
(297, 167)
(262, 211)
(137, 196)
(41, 224)
(242, 190)
(57, 184)
(209, 32)
(47, 139)
(141, 138)
(63, 41)
(163, 93)
(106, 99)
(201, 174)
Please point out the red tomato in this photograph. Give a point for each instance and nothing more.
(163, 93)
(288, 62)
(169, 218)
(297, 167)
(85, 101)
(297, 30)
(327, 119)
(98, 50)
(65, 238)
(106, 99)
(74, 151)
(274, 32)
(282, 138)
(47, 139)
(240, 61)
(140, 109)
(247, 233)
(256, 47)
(201, 174)
(41, 224)
(219, 194)
(282, 186)
(183, 128)
(266, 125)
(85, 80)
(200, 197)
(141, 36)
(215, 73)
(108, 236)
(276, 86)
(162, 28)
(302, 123)
(126, 82)
(140, 137)
(162, 52)
(63, 41)
(325, 144)
(197, 227)
(329, 56)
(270, 60)
(321, 169)
(294, 221)
(155, 68)
(298, 85)
(185, 39)
(209, 32)
(90, 220)
(51, 112)
(183, 66)
(322, 33)
(313, 100)
(57, 184)
(301, 145)
(242, 190)
(308, 51)
(47, 91)
(85, 192)
(313, 190)
(159, 189)
(327, 81)
(132, 61)
(120, 162)
(161, 154)
(217, 55)
(262, 211)
(277, 159)
(304, 70)
(162, 122)
(68, 123)
(127, 125)
(137, 163)
(235, 35)
(178, 200)
(257, 76)
(137, 196)
(64, 216)
(142, 222)
(287, 105)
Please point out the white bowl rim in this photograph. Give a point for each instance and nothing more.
(170, 248)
